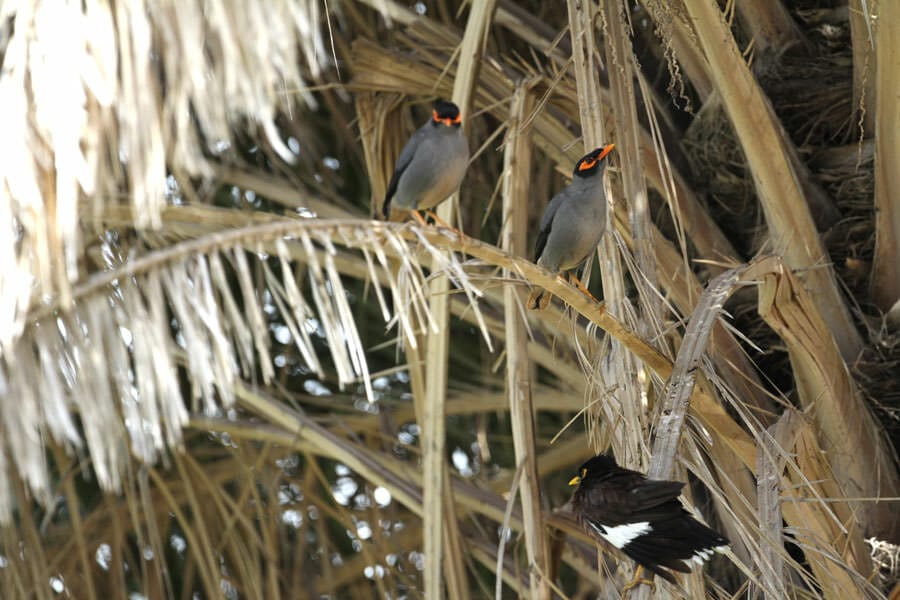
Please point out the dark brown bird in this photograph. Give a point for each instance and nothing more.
(641, 517)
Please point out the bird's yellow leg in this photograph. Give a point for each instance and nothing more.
(440, 221)
(638, 579)
(419, 218)
(573, 279)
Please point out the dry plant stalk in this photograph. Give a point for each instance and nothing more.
(886, 268)
(863, 43)
(516, 185)
(620, 67)
(680, 384)
(769, 467)
(434, 426)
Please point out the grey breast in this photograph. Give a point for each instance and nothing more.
(436, 169)
(577, 226)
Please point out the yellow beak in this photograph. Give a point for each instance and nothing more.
(575, 480)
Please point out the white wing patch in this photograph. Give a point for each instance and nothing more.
(701, 556)
(620, 535)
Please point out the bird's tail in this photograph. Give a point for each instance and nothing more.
(675, 544)
(539, 299)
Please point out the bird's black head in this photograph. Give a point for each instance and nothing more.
(596, 468)
(446, 113)
(593, 162)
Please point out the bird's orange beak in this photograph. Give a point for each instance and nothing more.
(575, 480)
(606, 150)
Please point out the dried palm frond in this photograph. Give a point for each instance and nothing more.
(772, 161)
(885, 270)
(98, 99)
(124, 318)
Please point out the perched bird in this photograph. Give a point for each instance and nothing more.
(641, 517)
(573, 222)
(431, 165)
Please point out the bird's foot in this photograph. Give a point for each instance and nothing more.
(573, 279)
(440, 222)
(539, 299)
(637, 580)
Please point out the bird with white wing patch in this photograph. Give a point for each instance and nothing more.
(642, 518)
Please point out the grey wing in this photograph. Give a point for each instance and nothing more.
(406, 156)
(547, 223)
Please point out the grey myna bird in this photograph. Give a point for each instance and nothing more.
(573, 222)
(431, 165)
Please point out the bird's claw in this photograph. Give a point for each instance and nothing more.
(419, 218)
(573, 279)
(439, 221)
(637, 580)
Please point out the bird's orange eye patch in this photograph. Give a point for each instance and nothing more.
(446, 121)
(587, 165)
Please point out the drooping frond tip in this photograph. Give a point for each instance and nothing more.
(98, 110)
